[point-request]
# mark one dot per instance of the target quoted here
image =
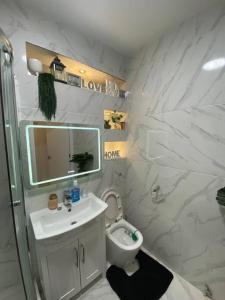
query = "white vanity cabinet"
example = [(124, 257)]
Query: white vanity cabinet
[(90, 249), (63, 271), (69, 262)]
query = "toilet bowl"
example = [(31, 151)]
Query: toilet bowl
[(121, 247)]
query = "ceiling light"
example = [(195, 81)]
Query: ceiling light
[(214, 64), (82, 71)]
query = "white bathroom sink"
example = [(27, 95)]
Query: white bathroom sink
[(48, 223)]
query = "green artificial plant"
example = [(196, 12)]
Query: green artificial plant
[(47, 95), (81, 160)]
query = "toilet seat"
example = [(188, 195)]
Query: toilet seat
[(114, 211), (121, 248), (126, 226)]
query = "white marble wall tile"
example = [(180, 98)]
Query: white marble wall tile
[(10, 276), (191, 139), (207, 138), (176, 140), (171, 77), (21, 24), (182, 228), (74, 105), (13, 292)]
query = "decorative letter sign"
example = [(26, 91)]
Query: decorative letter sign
[(114, 150), (112, 154)]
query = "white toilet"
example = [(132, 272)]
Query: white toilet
[(121, 247)]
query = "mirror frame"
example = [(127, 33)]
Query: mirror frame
[(26, 150)]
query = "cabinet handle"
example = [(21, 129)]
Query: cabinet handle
[(83, 253), (77, 258)]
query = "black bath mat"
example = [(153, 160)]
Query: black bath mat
[(150, 282)]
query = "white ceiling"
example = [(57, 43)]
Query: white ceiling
[(125, 25)]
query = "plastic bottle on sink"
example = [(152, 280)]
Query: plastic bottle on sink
[(75, 192)]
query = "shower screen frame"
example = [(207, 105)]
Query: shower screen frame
[(9, 113)]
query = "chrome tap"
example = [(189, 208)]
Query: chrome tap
[(67, 202)]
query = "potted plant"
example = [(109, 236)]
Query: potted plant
[(82, 160)]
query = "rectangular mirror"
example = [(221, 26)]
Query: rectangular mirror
[(56, 151)]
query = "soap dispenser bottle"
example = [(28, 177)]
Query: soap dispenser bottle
[(75, 192)]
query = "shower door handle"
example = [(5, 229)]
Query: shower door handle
[(16, 203)]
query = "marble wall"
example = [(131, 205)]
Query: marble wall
[(177, 140), (176, 137), (11, 285), (74, 105)]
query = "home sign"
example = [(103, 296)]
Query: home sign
[(112, 154)]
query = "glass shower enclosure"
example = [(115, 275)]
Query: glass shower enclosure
[(16, 281)]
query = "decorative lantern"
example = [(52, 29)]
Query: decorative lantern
[(57, 70)]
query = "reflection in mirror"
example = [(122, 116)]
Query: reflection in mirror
[(57, 151)]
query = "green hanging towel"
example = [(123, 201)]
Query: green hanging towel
[(47, 96)]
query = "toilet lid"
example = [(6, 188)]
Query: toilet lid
[(114, 210)]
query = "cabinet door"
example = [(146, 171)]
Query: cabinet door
[(63, 272), (92, 254)]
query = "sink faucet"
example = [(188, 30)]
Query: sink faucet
[(67, 202)]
